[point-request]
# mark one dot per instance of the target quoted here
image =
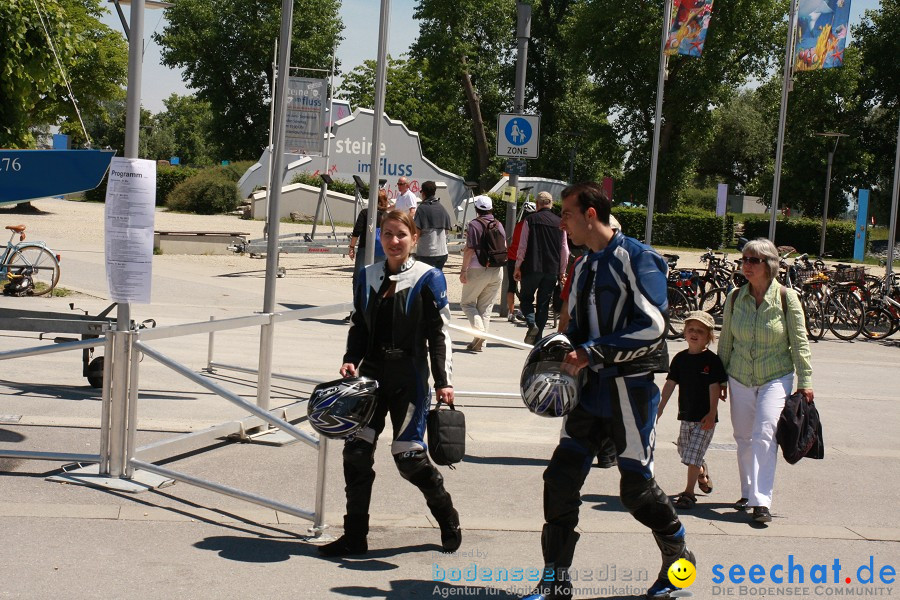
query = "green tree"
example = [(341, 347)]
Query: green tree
[(575, 133), (620, 43), (33, 93), (879, 44), (409, 97), (827, 100), (185, 130), (742, 144), (465, 50), (225, 49)]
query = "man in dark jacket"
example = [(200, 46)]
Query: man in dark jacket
[(433, 223), (542, 259)]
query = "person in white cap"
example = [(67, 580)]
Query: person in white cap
[(482, 273)]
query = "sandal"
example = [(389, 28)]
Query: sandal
[(686, 501), (705, 484)]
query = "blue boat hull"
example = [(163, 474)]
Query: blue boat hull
[(29, 174)]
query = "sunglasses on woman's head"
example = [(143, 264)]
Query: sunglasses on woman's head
[(754, 260)]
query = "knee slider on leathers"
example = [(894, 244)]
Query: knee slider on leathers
[(416, 469), (648, 503)]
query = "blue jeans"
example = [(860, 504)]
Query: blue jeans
[(543, 285)]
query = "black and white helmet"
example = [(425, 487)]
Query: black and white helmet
[(549, 388), (338, 409)]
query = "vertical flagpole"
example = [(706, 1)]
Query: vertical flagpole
[(785, 89), (330, 111), (894, 198), (375, 155), (660, 86)]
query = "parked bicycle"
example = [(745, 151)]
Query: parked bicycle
[(685, 295), (33, 259), (882, 317)]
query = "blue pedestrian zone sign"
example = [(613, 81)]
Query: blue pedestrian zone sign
[(518, 135), (518, 132)]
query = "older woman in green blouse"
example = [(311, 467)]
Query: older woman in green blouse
[(762, 345)]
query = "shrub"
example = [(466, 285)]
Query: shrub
[(207, 193), (233, 171), (693, 229), (805, 234), (169, 177), (703, 199), (338, 185)]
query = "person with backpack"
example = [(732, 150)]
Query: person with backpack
[(482, 268)]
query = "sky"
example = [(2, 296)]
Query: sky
[(360, 41)]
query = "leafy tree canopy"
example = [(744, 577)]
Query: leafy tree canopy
[(225, 49), (33, 93)]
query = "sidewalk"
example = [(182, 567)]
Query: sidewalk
[(65, 541)]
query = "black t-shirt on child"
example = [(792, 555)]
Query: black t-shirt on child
[(694, 373)]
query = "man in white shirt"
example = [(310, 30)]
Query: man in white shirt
[(406, 200)]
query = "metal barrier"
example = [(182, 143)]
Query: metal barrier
[(211, 365), (103, 457), (120, 460)]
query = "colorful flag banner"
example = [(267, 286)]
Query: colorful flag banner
[(687, 31), (822, 34)]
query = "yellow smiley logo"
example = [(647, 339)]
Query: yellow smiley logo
[(682, 573)]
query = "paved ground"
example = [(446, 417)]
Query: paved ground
[(186, 542)]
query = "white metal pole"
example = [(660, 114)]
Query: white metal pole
[(375, 154), (785, 90), (825, 209), (269, 148), (266, 334), (330, 112), (657, 124), (132, 114), (892, 239)]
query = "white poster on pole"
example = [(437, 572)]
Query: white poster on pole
[(722, 200), (130, 204), (305, 119)]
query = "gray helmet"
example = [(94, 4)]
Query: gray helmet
[(549, 388), (338, 409)]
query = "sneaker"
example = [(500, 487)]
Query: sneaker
[(519, 315), (761, 514), (672, 547), (531, 336), (511, 318)]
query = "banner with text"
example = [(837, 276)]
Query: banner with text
[(304, 126)]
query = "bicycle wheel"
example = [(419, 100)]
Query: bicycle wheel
[(878, 322), (845, 314), (45, 267), (816, 323), (713, 302), (679, 307)]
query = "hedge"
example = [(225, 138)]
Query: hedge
[(337, 185), (207, 193), (691, 229), (805, 234)]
